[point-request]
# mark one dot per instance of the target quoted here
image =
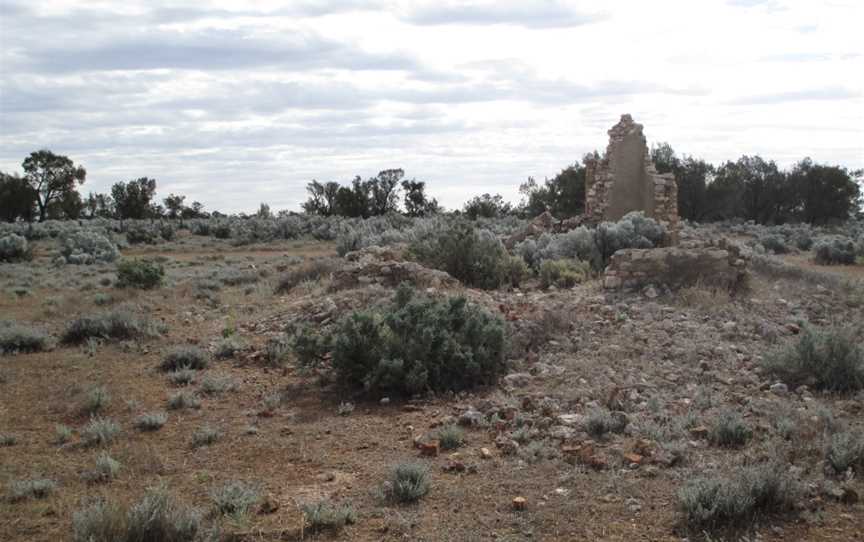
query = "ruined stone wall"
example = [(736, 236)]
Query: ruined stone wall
[(715, 266), (626, 180)]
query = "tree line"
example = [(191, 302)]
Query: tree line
[(750, 188), (49, 190)]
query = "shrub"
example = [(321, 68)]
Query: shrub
[(87, 247), (152, 421), (62, 434), (450, 437), (600, 422), (409, 482), (17, 338), (419, 343), (803, 241), (179, 401), (185, 357), (14, 248), (834, 251), (105, 470), (729, 430), (137, 234), (845, 451), (167, 231), (323, 515), (831, 360), (117, 324), (475, 257), (276, 351), (204, 436), (96, 400), (214, 385), (37, 488), (157, 516), (774, 243), (563, 273), (141, 274), (182, 377), (228, 347), (234, 498), (7, 440), (309, 271), (99, 432), (733, 501)]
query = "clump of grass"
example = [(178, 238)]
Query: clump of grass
[(450, 437), (102, 299), (228, 347), (158, 516), (326, 516), (729, 430), (62, 434), (409, 482), (831, 359), (183, 400), (99, 432), (182, 377), (18, 338), (205, 436), (185, 357), (214, 385), (7, 440), (737, 500), (845, 451), (105, 470), (235, 498), (345, 408), (119, 324), (96, 400), (36, 488), (599, 422), (152, 421)]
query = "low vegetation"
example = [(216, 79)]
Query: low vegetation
[(738, 499), (235, 498), (141, 274), (118, 324), (36, 488), (409, 482), (419, 343), (829, 359), (185, 357), (18, 339), (326, 516)]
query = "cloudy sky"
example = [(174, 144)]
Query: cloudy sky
[(235, 103)]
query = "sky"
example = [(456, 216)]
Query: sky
[(237, 103)]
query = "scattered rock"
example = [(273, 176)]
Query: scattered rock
[(485, 453), (517, 380), (519, 503)]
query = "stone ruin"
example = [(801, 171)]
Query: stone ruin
[(626, 180)]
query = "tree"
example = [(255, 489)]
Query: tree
[(383, 195), (68, 207), (17, 198), (175, 205), (264, 211), (823, 193), (99, 205), (52, 176), (487, 206), (316, 204), (132, 199), (562, 195), (416, 202), (196, 210)]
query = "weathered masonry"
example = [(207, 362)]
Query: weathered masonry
[(625, 180)]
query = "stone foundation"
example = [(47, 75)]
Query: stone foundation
[(626, 180), (718, 266)]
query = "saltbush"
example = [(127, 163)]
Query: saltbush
[(419, 343), (38, 488), (475, 257), (142, 234), (563, 273), (235, 498), (87, 247), (14, 248), (834, 251), (17, 338), (734, 501), (185, 357), (139, 274), (409, 482), (117, 324), (774, 243), (830, 359), (158, 516), (312, 270), (845, 451)]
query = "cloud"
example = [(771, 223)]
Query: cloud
[(548, 14), (819, 94)]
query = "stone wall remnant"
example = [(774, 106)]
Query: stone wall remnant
[(718, 266), (625, 179)]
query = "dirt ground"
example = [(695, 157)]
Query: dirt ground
[(658, 354)]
